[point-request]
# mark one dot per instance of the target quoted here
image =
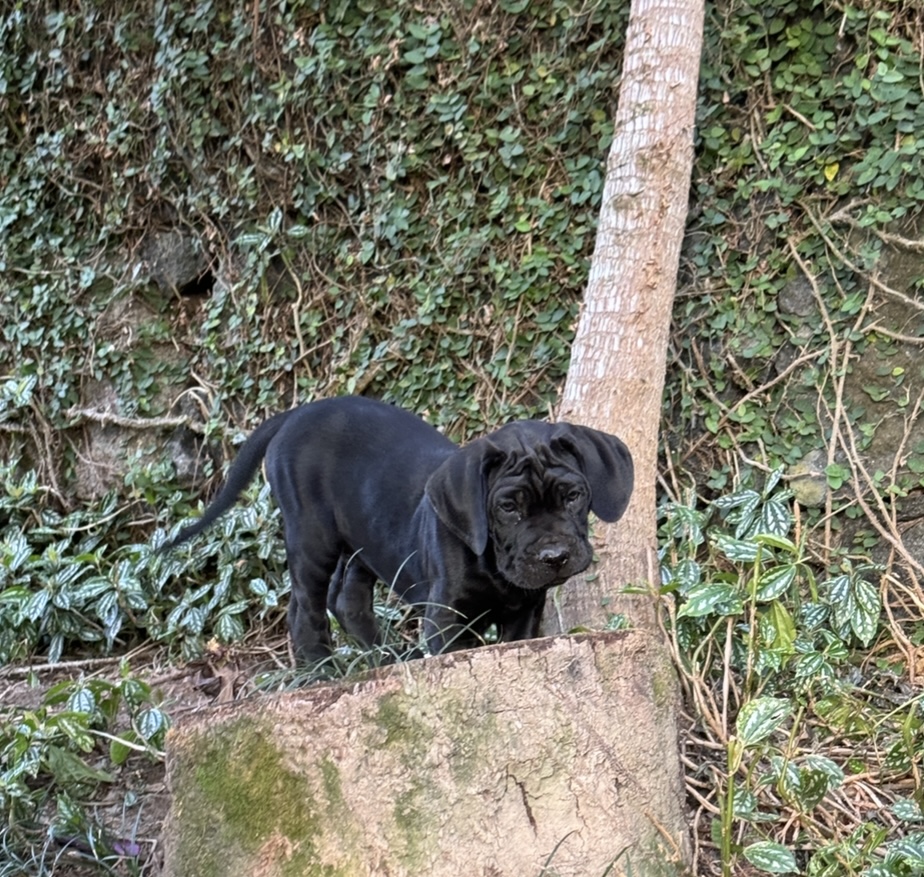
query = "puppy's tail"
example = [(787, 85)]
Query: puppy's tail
[(242, 470)]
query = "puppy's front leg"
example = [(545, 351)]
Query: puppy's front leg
[(525, 623), (447, 629)]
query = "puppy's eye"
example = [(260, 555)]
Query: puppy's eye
[(574, 496), (507, 505)]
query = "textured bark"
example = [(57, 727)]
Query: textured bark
[(543, 757), (616, 377)]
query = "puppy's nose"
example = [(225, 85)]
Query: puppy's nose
[(555, 556)]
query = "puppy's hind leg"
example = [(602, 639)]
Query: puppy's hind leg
[(350, 599), (313, 550), (310, 570)]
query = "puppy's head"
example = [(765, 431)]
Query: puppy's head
[(527, 490)]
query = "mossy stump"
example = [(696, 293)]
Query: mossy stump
[(554, 756)]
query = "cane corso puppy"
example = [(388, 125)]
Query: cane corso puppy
[(475, 535)]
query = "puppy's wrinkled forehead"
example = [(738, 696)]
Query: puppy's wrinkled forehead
[(530, 462), (535, 458)]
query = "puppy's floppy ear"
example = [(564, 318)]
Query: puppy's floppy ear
[(606, 463), (458, 491)]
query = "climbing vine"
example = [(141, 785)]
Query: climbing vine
[(401, 201)]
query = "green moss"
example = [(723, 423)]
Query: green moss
[(400, 729), (470, 735), (333, 788), (413, 808), (235, 796), (240, 780), (663, 682), (338, 810), (413, 818)]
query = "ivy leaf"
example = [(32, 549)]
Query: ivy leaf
[(775, 517), (194, 619), (746, 515), (688, 574), (781, 623), (55, 648), (252, 240), (771, 857), (774, 582), (811, 615), (760, 717), (837, 475), (909, 851), (830, 768), (712, 599), (737, 550), (855, 604), (865, 618), (775, 540), (119, 750), (414, 56), (150, 722), (229, 628), (803, 787), (908, 810), (811, 666), (89, 589), (82, 701), (112, 627), (16, 550), (745, 804), (746, 498), (70, 768), (74, 725), (772, 480), (35, 607)]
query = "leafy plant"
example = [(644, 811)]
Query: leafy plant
[(766, 653), (60, 756), (403, 202), (59, 586)]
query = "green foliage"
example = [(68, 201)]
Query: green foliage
[(61, 589), (796, 630), (398, 199), (767, 651), (806, 161), (61, 756)]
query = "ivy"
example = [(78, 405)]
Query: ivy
[(415, 174), (402, 201)]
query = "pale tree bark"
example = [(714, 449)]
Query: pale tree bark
[(525, 759), (616, 376)]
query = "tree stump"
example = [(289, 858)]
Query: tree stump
[(546, 757)]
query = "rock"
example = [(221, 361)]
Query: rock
[(808, 481), (797, 298), (176, 262), (107, 448)]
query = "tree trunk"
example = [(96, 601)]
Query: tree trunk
[(618, 359), (536, 758)]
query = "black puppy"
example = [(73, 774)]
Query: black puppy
[(475, 535)]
